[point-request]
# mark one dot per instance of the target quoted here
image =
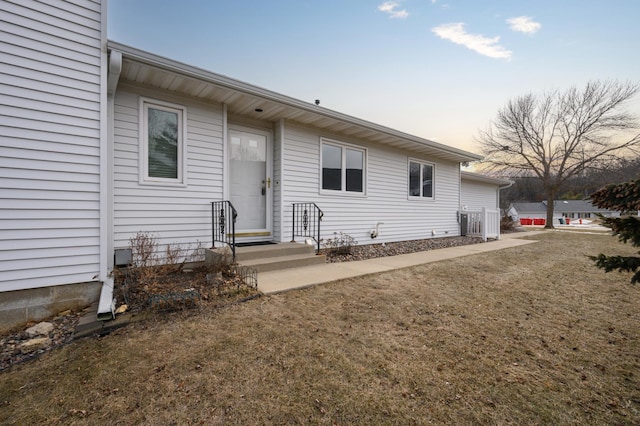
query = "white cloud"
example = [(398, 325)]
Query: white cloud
[(391, 7), (524, 24), (485, 46)]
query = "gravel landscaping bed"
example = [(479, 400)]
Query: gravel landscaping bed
[(372, 251), (18, 346)]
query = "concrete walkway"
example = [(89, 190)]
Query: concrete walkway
[(296, 278)]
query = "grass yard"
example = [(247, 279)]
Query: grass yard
[(529, 335)]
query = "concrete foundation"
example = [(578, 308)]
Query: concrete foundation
[(21, 306)]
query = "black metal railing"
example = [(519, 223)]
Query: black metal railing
[(223, 224), (306, 222)]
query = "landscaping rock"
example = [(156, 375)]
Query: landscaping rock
[(40, 329), (34, 344), (20, 346)]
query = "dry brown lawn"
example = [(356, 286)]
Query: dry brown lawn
[(529, 335)]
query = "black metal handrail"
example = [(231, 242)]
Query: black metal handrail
[(223, 230), (306, 222)]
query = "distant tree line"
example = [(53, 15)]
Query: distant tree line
[(579, 187)]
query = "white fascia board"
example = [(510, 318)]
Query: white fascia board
[(476, 177)]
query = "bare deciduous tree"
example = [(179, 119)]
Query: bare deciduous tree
[(557, 135)]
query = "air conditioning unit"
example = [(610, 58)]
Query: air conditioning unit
[(464, 224)]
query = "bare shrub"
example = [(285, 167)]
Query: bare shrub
[(507, 224), (173, 276), (340, 244), (144, 248)]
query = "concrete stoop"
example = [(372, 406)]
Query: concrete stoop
[(274, 257), (270, 257)]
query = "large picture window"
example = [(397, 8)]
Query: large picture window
[(162, 143), (343, 168), (421, 175)]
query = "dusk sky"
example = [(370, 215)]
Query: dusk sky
[(438, 69)]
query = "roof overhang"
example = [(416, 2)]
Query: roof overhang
[(476, 177), (243, 99)]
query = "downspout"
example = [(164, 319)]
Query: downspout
[(106, 304), (225, 153), (500, 188), (459, 211)]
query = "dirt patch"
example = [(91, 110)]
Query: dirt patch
[(529, 335)]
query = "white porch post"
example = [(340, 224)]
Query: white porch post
[(484, 223)]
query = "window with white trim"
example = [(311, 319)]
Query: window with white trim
[(421, 176), (343, 167), (162, 142)]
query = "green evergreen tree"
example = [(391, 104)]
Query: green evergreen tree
[(625, 198)]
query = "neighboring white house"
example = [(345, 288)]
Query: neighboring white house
[(100, 141), (572, 209)]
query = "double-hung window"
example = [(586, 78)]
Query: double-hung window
[(343, 168), (162, 143), (421, 176)]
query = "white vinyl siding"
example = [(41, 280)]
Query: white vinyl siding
[(50, 76), (174, 215), (386, 199), (476, 195)]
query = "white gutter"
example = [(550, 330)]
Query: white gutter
[(107, 304), (477, 177)]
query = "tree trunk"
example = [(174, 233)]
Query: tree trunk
[(550, 199)]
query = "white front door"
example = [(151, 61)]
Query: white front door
[(250, 182)]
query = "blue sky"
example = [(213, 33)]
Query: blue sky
[(439, 69)]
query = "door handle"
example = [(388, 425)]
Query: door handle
[(264, 189), (268, 182)]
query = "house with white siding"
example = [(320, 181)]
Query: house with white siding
[(564, 211), (480, 191), (100, 141), (53, 178), (480, 204)]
